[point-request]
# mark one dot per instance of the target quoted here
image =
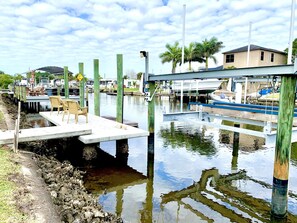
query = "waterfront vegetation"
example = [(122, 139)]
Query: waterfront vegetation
[(8, 189), (195, 52), (5, 80)]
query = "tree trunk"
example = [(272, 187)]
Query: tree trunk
[(206, 63)]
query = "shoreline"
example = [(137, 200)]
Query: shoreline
[(52, 199)]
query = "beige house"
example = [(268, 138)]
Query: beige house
[(259, 56)]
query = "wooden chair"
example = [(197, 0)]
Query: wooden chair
[(75, 109), (56, 102)]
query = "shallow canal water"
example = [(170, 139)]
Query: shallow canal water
[(192, 176)]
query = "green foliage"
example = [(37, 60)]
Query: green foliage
[(139, 76), (1, 72), (199, 52), (51, 77), (208, 48), (173, 54), (176, 137), (40, 75), (191, 54), (18, 77), (294, 50), (5, 80)]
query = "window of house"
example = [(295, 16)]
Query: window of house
[(272, 57), (229, 58), (262, 55)]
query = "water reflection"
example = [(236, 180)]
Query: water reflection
[(190, 175), (192, 139)]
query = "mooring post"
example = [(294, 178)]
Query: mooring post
[(151, 118), (96, 88), (120, 91), (279, 201), (147, 213), (81, 85), (66, 82), (122, 149), (151, 108)]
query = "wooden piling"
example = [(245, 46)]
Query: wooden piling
[(150, 155), (66, 82), (81, 85), (120, 90), (283, 147), (151, 108), (122, 152), (122, 149), (96, 88)]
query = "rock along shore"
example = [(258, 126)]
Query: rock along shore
[(64, 182)]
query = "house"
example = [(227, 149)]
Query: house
[(259, 56)]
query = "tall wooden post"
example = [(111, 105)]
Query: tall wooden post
[(147, 214), (122, 149), (151, 108), (283, 147), (96, 88), (81, 85), (66, 82), (120, 90)]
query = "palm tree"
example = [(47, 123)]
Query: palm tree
[(173, 54), (192, 55), (208, 48)]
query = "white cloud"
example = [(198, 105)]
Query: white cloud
[(66, 32)]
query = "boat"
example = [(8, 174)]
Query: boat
[(221, 98), (193, 86)]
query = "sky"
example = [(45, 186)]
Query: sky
[(38, 33)]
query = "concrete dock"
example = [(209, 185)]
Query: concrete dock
[(96, 130), (35, 134), (102, 128)]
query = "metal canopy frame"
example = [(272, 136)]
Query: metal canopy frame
[(251, 72)]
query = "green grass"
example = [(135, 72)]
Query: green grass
[(131, 89), (8, 211)]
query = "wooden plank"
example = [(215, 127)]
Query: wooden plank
[(35, 134)]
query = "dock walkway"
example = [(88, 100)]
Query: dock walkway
[(54, 132), (102, 128), (97, 130)]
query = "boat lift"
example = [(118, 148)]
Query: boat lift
[(205, 117), (212, 115), (284, 134)]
